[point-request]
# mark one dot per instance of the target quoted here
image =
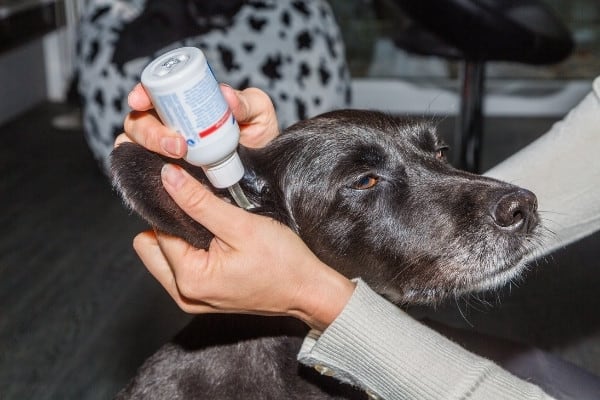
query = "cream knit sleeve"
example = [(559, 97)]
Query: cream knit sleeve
[(376, 346)]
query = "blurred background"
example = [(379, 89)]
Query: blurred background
[(79, 312)]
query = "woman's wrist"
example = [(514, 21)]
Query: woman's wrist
[(322, 298)]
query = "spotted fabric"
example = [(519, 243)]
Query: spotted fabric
[(291, 49)]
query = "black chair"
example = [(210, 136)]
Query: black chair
[(477, 31)]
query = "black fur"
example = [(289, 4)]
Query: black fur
[(372, 196)]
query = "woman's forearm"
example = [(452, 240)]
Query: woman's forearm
[(378, 347)]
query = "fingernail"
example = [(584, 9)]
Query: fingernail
[(132, 98), (171, 145), (173, 175)]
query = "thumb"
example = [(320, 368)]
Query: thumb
[(138, 99), (226, 221), (255, 113)]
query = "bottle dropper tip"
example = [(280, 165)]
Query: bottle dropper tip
[(239, 196)]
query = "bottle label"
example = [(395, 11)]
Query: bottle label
[(197, 111)]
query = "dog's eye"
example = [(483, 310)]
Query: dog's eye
[(366, 182), (441, 153)]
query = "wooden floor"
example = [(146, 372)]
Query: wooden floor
[(78, 311)]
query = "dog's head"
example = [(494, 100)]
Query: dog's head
[(374, 197)]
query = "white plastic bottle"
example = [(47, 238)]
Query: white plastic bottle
[(188, 100)]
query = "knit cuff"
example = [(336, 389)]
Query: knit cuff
[(376, 346)]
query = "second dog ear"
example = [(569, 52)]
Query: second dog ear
[(263, 183)]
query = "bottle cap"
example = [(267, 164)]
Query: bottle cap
[(226, 173), (173, 68)]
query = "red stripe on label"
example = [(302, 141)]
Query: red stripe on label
[(216, 126)]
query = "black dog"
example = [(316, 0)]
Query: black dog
[(374, 197)]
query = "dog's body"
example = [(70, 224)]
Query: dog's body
[(373, 197)]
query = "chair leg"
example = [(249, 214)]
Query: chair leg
[(469, 129)]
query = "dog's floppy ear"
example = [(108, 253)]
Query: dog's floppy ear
[(135, 174)]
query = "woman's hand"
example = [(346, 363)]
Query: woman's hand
[(251, 107), (253, 265)]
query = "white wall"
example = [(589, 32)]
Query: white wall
[(58, 63), (59, 52), (22, 79), (524, 98), (40, 69)]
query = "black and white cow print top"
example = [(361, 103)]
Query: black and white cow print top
[(292, 49)]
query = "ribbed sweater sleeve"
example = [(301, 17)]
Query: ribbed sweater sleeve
[(376, 346)]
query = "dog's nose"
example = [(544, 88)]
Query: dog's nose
[(516, 211)]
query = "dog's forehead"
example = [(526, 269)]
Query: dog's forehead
[(351, 142), (360, 130)]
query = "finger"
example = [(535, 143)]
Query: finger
[(189, 267), (146, 129), (248, 104), (233, 101), (147, 248), (203, 206), (122, 138), (255, 113), (138, 99)]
